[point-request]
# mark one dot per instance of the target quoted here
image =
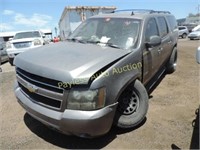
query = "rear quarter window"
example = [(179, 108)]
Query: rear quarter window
[(172, 22), (163, 26)]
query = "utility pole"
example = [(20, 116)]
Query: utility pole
[(56, 31), (198, 13)]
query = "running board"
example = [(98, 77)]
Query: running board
[(155, 81)]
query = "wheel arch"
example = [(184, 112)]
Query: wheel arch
[(126, 85), (138, 112)]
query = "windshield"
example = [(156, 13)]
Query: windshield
[(116, 32), (27, 35)]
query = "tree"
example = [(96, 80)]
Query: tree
[(191, 15)]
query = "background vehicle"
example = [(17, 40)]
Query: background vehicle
[(196, 28), (198, 55), (183, 31), (23, 41), (194, 35), (72, 17), (101, 75), (3, 53)]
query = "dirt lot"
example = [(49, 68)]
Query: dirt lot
[(170, 122)]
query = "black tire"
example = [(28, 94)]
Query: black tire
[(133, 106), (184, 35), (172, 63), (11, 61)]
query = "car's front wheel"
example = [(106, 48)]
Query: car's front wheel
[(133, 106)]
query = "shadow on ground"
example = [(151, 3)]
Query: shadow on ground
[(72, 142), (195, 135), (194, 144)]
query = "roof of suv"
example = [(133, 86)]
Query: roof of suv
[(132, 14)]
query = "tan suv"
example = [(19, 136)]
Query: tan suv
[(102, 75)]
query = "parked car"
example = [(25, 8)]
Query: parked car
[(3, 53), (183, 31), (23, 41), (198, 55), (196, 28), (102, 75), (194, 35)]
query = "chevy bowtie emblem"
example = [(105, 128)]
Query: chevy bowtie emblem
[(32, 88)]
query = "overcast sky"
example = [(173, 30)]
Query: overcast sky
[(18, 15)]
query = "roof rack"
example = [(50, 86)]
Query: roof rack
[(164, 12), (136, 11)]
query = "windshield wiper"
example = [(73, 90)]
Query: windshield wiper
[(93, 42), (107, 44), (113, 45), (76, 40)]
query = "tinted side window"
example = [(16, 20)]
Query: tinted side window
[(152, 29), (172, 22), (181, 28), (163, 26)]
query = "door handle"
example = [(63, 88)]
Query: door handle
[(169, 42), (160, 50)]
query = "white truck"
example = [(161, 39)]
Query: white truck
[(23, 41), (72, 17)]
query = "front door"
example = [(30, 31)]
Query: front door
[(151, 56)]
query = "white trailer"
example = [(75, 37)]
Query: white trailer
[(72, 16)]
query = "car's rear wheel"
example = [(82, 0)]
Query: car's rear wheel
[(184, 35), (133, 106)]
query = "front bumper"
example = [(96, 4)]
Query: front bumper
[(14, 52), (194, 36), (71, 122)]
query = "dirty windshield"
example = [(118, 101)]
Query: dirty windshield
[(115, 32), (26, 35)]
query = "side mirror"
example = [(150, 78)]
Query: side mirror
[(198, 55), (43, 36), (10, 39), (153, 41)]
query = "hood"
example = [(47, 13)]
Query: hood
[(195, 33), (66, 61), (24, 40)]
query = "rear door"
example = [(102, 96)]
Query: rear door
[(166, 46)]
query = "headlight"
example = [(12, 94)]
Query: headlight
[(37, 42), (8, 45), (86, 99)]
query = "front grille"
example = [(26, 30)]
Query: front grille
[(39, 81), (22, 44), (42, 91), (45, 101)]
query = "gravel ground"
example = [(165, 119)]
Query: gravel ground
[(171, 122)]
